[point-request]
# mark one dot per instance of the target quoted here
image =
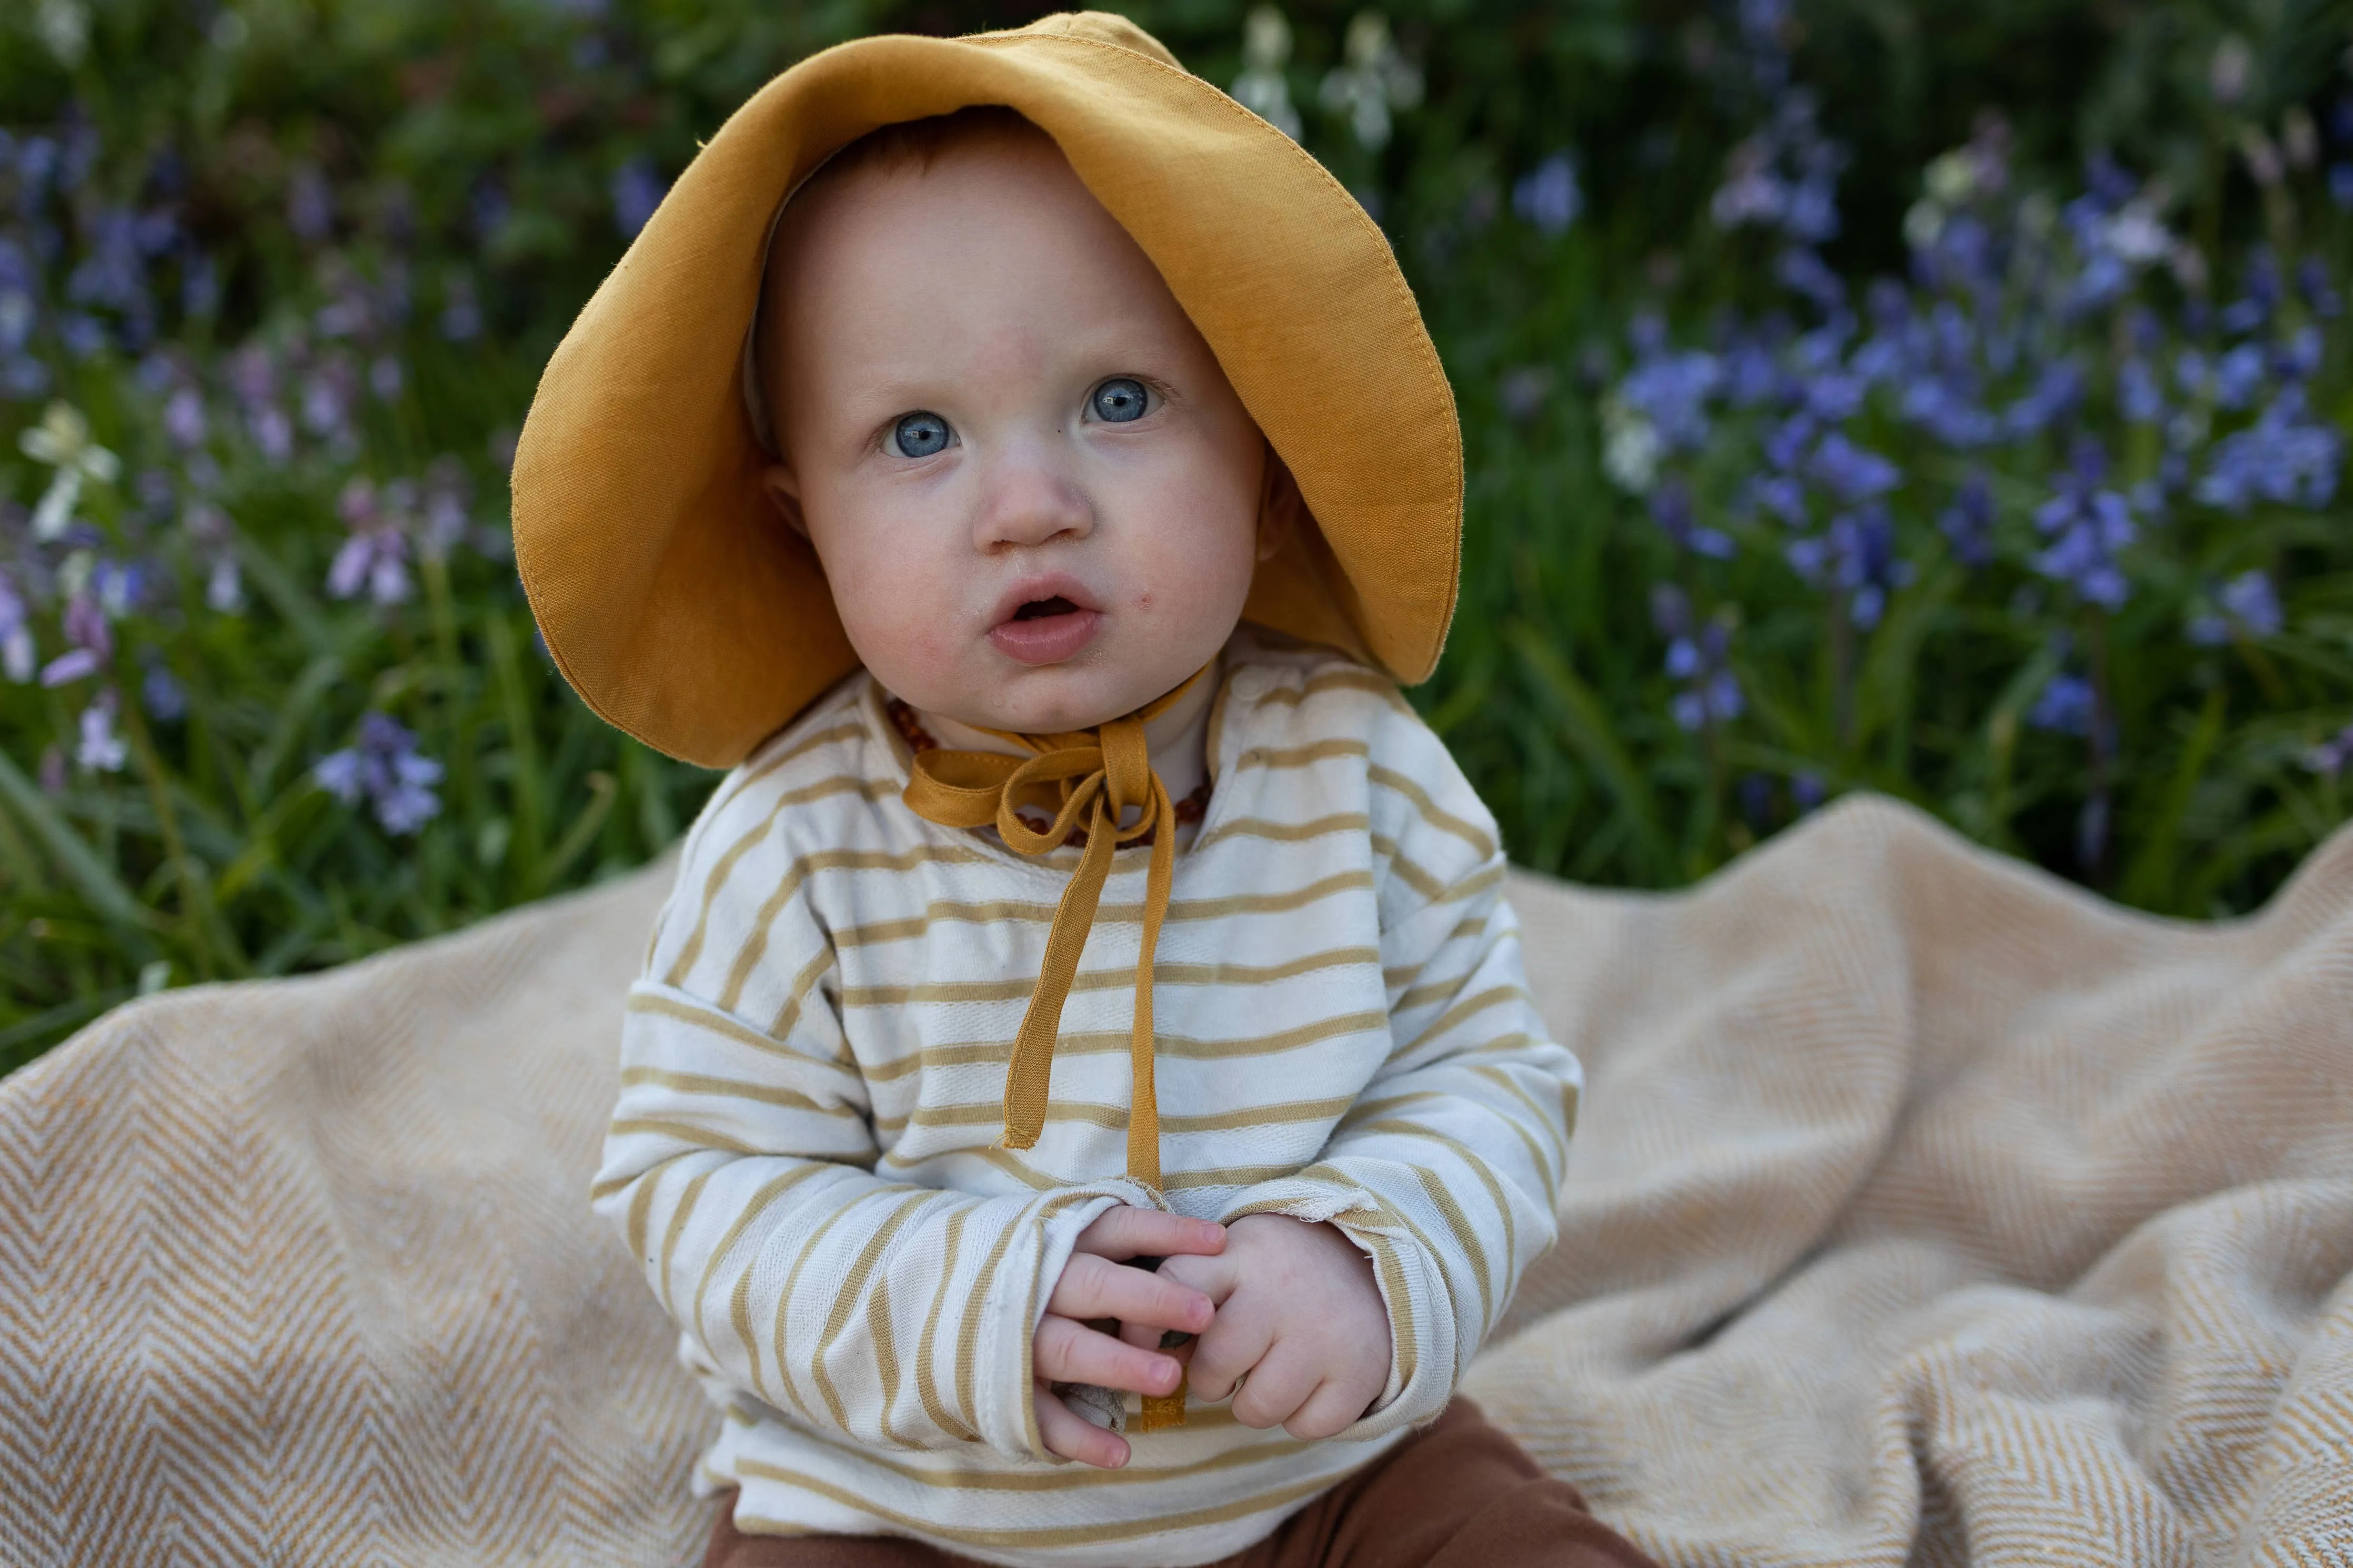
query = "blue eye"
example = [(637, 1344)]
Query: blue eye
[(919, 434), (1120, 399)]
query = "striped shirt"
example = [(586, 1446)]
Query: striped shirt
[(805, 1160)]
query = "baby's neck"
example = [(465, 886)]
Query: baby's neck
[(1177, 740)]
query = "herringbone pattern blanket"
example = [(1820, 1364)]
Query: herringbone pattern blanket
[(1923, 1212)]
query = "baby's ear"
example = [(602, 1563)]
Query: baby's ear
[(784, 491), (1280, 506)]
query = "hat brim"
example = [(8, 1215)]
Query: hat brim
[(669, 590)]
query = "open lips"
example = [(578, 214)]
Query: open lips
[(1045, 623)]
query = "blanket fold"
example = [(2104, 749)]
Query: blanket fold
[(1924, 1211)]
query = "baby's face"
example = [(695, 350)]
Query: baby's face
[(1036, 497)]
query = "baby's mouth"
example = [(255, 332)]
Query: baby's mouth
[(1046, 631)]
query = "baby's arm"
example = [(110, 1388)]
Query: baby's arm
[(739, 1165), (1446, 1171)]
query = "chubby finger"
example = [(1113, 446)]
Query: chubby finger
[(1066, 1432), (1214, 1278), (1067, 1351), (1278, 1385), (1094, 1286), (1127, 1231), (1337, 1404), (1226, 1352)]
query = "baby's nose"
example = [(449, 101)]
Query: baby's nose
[(1024, 502)]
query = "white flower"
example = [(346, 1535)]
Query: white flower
[(1261, 88), (2137, 237), (1631, 447), (62, 441), (101, 749), (1375, 79)]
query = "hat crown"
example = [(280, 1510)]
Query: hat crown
[(669, 590)]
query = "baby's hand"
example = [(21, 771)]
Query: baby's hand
[(1097, 1283), (1300, 1325)]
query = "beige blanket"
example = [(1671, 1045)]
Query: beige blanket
[(1924, 1212)]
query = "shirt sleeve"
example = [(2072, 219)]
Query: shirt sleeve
[(1448, 1169), (739, 1166)]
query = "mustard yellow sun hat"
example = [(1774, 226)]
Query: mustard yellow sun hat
[(673, 597)]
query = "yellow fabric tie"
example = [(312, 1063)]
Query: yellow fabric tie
[(1102, 773)]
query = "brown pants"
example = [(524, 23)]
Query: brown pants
[(1459, 1495)]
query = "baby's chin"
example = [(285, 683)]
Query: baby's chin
[(1048, 699)]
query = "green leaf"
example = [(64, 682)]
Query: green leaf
[(80, 863)]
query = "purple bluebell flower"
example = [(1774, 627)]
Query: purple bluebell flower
[(1950, 410), (2191, 372), (119, 587), (1522, 391), (447, 506), (2087, 525), (2252, 310), (18, 653), (1751, 374), (208, 528), (166, 701), (385, 770), (100, 749), (184, 417), (1783, 495), (112, 274), (1710, 693), (1784, 443), (1672, 391), (2312, 281), (1807, 791), (2286, 456), (490, 207), (1833, 396), (2329, 757), (1547, 197), (2063, 706), (253, 376), (638, 189), (2249, 605), (1851, 473), (1699, 656), (1855, 557), (92, 641), (1967, 523), (2237, 375), (200, 285), (461, 313), (2299, 359), (375, 555), (1757, 800), (2139, 396), (329, 394), (1671, 509), (1806, 274), (2054, 394)]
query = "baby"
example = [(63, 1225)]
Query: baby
[(1087, 1025)]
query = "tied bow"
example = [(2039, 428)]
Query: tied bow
[(1100, 774)]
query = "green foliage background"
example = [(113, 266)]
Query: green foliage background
[(213, 854)]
